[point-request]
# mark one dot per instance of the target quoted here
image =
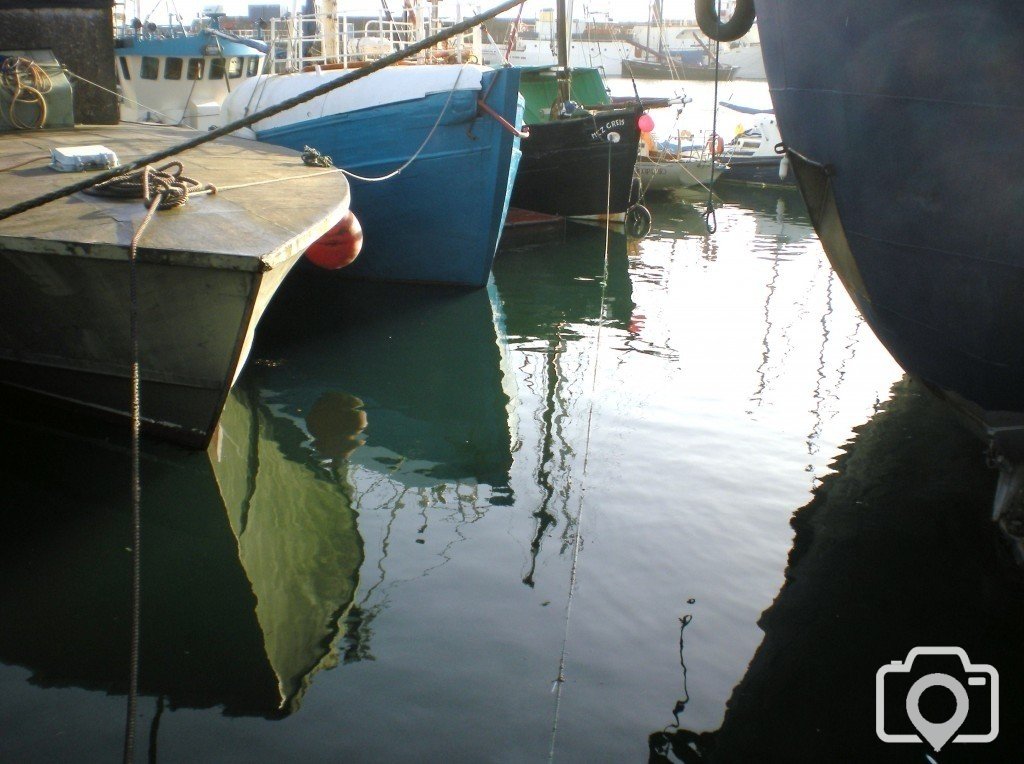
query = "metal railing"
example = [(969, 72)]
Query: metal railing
[(306, 41)]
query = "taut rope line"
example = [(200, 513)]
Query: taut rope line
[(327, 87), (123, 97), (578, 538), (710, 220)]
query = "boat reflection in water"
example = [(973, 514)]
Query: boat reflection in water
[(250, 562), (807, 346), (894, 551), (330, 349), (251, 552), (296, 531), (778, 212)]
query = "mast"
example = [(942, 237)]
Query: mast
[(327, 20), (561, 31), (661, 29), (650, 19)]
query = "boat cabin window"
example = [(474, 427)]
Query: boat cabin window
[(253, 66), (125, 74), (217, 69), (195, 68), (150, 68), (234, 67), (172, 69)]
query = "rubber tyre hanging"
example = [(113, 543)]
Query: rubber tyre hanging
[(638, 221), (739, 23)]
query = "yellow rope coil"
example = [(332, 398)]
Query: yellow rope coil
[(25, 82)]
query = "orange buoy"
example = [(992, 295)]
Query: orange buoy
[(716, 145), (339, 246)]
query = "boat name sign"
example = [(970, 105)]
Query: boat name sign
[(605, 131)]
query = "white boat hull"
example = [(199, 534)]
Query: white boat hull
[(672, 174)]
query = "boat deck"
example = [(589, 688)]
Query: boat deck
[(243, 226)]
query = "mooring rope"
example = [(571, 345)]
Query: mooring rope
[(165, 186), (415, 156), (200, 139), (27, 83), (327, 158), (154, 204)]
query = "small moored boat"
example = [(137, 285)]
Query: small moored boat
[(756, 157)]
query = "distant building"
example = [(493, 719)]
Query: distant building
[(265, 12)]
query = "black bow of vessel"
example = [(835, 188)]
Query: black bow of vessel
[(578, 162)]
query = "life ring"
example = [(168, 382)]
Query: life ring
[(739, 23), (716, 145)]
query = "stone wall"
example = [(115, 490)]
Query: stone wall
[(80, 34)]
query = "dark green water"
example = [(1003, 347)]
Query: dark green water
[(373, 562)]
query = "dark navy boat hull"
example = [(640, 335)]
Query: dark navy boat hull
[(910, 162), (579, 166)]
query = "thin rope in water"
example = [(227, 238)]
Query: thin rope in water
[(159, 189), (136, 485), (578, 538)]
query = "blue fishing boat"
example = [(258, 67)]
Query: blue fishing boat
[(431, 154), (898, 122), (431, 150)]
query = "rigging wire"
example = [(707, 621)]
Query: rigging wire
[(129, 100), (578, 537), (710, 221)]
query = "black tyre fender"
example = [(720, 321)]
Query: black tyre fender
[(733, 29), (638, 221)]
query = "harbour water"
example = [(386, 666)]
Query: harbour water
[(665, 499)]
